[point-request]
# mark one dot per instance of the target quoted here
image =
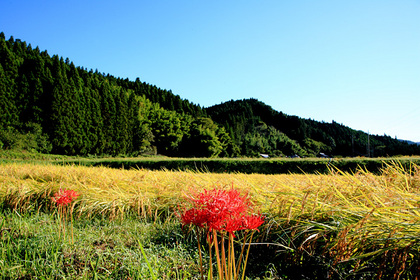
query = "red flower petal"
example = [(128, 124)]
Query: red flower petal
[(64, 196), (253, 221)]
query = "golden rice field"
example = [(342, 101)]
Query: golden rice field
[(355, 218)]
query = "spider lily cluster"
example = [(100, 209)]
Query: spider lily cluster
[(62, 198), (221, 213)]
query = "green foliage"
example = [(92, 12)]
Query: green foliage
[(203, 139), (314, 148), (268, 140), (29, 138), (166, 128)]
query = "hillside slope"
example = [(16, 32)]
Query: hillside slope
[(257, 128), (47, 104)]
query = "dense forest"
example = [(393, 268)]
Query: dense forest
[(257, 128), (49, 105)]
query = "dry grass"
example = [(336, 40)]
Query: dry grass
[(353, 216)]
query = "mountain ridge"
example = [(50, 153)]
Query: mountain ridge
[(312, 136)]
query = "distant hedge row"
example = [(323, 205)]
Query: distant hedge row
[(248, 166)]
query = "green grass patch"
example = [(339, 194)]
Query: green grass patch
[(32, 248), (216, 165), (102, 249), (249, 165)]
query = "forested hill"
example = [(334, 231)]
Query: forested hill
[(49, 105), (257, 128)]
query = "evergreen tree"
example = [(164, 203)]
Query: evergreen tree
[(8, 110), (122, 126), (108, 109)]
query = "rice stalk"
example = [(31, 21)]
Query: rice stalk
[(344, 216)]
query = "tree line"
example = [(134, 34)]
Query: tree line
[(49, 105)]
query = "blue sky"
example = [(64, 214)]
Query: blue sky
[(355, 62)]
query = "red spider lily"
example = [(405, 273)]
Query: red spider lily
[(64, 196), (253, 222), (221, 202), (232, 224), (198, 217), (225, 211), (221, 210)]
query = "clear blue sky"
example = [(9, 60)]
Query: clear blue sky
[(355, 62)]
